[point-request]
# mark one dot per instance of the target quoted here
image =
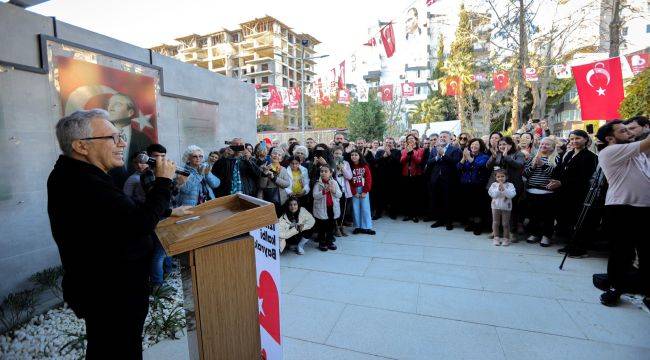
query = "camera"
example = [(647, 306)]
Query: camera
[(319, 153)]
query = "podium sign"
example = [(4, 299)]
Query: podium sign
[(267, 263)]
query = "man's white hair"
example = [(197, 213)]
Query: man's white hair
[(76, 126)]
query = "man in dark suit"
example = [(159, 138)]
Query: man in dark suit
[(387, 180), (103, 236), (444, 179)]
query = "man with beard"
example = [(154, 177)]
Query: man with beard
[(387, 180), (238, 173), (639, 127), (626, 166)]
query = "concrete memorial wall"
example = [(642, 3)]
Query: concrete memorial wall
[(185, 105)]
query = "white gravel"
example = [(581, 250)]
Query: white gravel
[(44, 336)]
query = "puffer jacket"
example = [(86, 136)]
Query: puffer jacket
[(320, 200)]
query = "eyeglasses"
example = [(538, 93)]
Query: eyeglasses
[(462, 138), (116, 137), (197, 156)]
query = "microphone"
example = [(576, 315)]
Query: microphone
[(145, 159)]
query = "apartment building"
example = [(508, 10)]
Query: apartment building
[(261, 52)]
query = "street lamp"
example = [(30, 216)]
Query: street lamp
[(303, 43)]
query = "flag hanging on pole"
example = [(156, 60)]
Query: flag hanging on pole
[(388, 39), (342, 75), (371, 42), (275, 99), (430, 2), (284, 94), (408, 89), (452, 87), (344, 96), (501, 80), (562, 71), (638, 62), (600, 89), (294, 97), (530, 74), (386, 92)]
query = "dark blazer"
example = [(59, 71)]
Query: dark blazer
[(103, 236), (444, 170), (575, 172), (249, 172), (388, 168)]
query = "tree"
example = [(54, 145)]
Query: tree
[(367, 119), (461, 63), (332, 116), (637, 99)]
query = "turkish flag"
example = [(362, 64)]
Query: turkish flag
[(452, 86), (638, 62), (269, 298), (430, 2), (275, 99), (386, 92), (600, 89), (388, 38), (371, 42), (294, 97), (342, 75), (408, 89), (501, 80)]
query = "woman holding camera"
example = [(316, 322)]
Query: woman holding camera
[(197, 188), (275, 181)]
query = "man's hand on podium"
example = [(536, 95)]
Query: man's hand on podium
[(182, 211)]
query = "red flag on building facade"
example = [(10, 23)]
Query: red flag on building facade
[(600, 89), (501, 80), (342, 75), (388, 38), (638, 62), (294, 97), (408, 89), (386, 92), (344, 96), (275, 99), (371, 42), (430, 2), (452, 87)]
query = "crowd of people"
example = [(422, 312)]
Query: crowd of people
[(530, 186)]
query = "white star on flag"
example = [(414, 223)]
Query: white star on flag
[(601, 91), (260, 303), (143, 122)]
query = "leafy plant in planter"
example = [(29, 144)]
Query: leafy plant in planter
[(160, 295), (17, 308), (78, 342), (49, 279), (166, 325)]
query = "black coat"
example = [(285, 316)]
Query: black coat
[(103, 236), (444, 170), (388, 169), (249, 173), (575, 172)]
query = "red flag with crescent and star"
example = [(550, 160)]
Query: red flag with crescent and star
[(452, 87), (342, 75), (501, 80), (408, 89), (600, 89), (388, 39), (386, 92)]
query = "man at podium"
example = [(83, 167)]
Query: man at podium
[(103, 236)]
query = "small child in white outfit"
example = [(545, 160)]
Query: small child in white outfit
[(501, 193)]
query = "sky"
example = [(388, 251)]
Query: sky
[(341, 25)]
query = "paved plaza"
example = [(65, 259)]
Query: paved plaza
[(411, 292)]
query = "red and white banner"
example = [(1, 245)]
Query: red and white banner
[(530, 74), (430, 2), (267, 264), (388, 39), (275, 99), (344, 96), (386, 92), (342, 75), (638, 62), (600, 89), (408, 89), (294, 97), (452, 87), (501, 80), (562, 71), (284, 94)]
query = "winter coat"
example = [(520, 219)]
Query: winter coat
[(502, 200), (249, 173), (514, 166), (284, 224), (343, 177), (188, 194), (320, 200), (361, 176), (474, 172), (304, 176), (281, 181), (411, 162)]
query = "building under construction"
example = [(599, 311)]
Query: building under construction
[(261, 52)]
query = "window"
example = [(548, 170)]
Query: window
[(265, 67), (252, 80), (265, 79), (624, 31), (647, 28)]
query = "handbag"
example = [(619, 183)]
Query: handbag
[(272, 195)]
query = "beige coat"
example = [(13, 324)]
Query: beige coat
[(282, 181), (286, 230)]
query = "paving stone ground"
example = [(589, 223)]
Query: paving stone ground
[(412, 292)]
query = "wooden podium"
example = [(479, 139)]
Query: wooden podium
[(219, 277)]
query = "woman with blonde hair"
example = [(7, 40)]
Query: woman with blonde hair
[(540, 192)]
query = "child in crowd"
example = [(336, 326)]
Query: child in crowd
[(299, 181), (501, 193), (327, 194), (361, 183), (294, 226), (342, 174)]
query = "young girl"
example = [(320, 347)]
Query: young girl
[(327, 194), (361, 183), (502, 193), (342, 174), (294, 225)]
